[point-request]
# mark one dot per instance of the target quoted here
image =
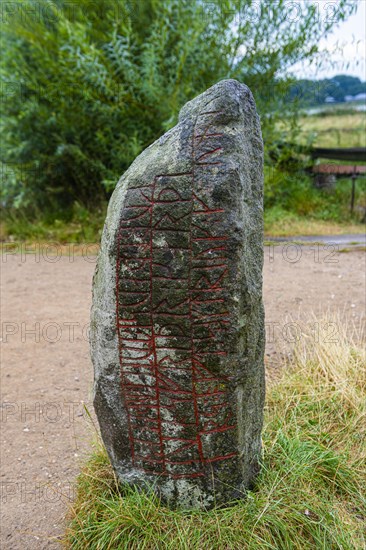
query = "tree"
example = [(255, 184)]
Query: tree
[(315, 92), (88, 85)]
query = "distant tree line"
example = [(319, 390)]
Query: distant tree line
[(317, 92)]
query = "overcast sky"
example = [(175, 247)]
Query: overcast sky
[(347, 47)]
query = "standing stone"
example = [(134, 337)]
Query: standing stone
[(177, 320)]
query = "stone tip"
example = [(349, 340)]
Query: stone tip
[(227, 88)]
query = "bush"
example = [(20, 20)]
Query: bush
[(88, 85), (293, 191)]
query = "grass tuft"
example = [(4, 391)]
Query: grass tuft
[(310, 493)]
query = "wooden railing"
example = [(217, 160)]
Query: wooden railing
[(327, 172), (356, 154)]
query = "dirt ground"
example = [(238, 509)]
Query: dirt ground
[(47, 374)]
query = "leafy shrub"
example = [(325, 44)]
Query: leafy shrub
[(88, 85)]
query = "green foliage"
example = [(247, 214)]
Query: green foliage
[(293, 190), (88, 85), (309, 495), (73, 225)]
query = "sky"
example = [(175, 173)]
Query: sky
[(347, 47)]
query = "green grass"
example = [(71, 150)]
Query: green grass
[(293, 206), (310, 493), (80, 225), (283, 223)]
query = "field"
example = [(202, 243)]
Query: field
[(335, 129)]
